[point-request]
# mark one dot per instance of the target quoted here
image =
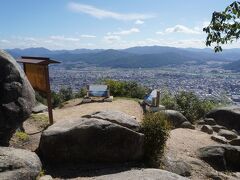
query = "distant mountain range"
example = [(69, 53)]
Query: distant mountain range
[(135, 57)]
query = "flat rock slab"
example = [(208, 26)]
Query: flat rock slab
[(221, 157), (209, 121), (18, 164), (90, 140), (39, 108), (142, 174), (227, 134), (116, 117), (217, 128)]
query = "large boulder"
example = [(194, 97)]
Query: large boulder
[(17, 97), (116, 117), (175, 118), (18, 164), (221, 157), (136, 174), (227, 116), (90, 140)]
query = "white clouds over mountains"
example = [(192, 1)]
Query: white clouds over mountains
[(101, 13)]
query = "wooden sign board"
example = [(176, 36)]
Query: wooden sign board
[(37, 74)]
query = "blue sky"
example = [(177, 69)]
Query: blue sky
[(72, 24)]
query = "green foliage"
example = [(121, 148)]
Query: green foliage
[(66, 93), (192, 107), (81, 93), (224, 26), (155, 127), (126, 89), (22, 136)]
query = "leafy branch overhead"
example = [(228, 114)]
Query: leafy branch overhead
[(224, 27)]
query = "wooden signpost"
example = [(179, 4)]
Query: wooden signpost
[(36, 70)]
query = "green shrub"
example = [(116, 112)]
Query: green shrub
[(155, 127), (81, 93), (66, 94), (191, 106), (22, 136), (126, 89)]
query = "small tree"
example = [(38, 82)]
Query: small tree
[(224, 26)]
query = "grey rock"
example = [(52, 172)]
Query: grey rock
[(142, 174), (187, 125), (221, 157), (200, 122), (207, 129), (176, 166), (116, 117), (217, 128), (176, 118), (235, 142), (46, 177), (90, 140), (219, 139), (17, 97), (228, 117), (39, 108), (209, 121), (18, 164), (227, 134)]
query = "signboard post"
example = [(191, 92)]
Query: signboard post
[(36, 70)]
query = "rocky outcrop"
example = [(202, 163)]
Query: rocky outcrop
[(90, 140), (136, 174), (228, 117), (207, 129), (175, 118), (209, 121), (17, 97), (187, 125), (227, 134), (18, 164), (235, 142), (219, 139), (222, 157), (116, 117), (176, 166)]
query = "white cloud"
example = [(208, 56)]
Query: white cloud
[(4, 41), (101, 13), (112, 39), (125, 32), (87, 36), (139, 22), (160, 33), (181, 29), (63, 38)]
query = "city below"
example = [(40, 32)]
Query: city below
[(206, 81)]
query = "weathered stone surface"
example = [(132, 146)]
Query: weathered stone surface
[(222, 157), (209, 121), (39, 108), (217, 128), (176, 166), (18, 164), (235, 142), (187, 125), (46, 177), (200, 122), (227, 134), (116, 117), (90, 140), (207, 129), (219, 139), (176, 118), (17, 97), (142, 174), (227, 116)]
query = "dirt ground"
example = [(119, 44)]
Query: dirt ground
[(71, 110)]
